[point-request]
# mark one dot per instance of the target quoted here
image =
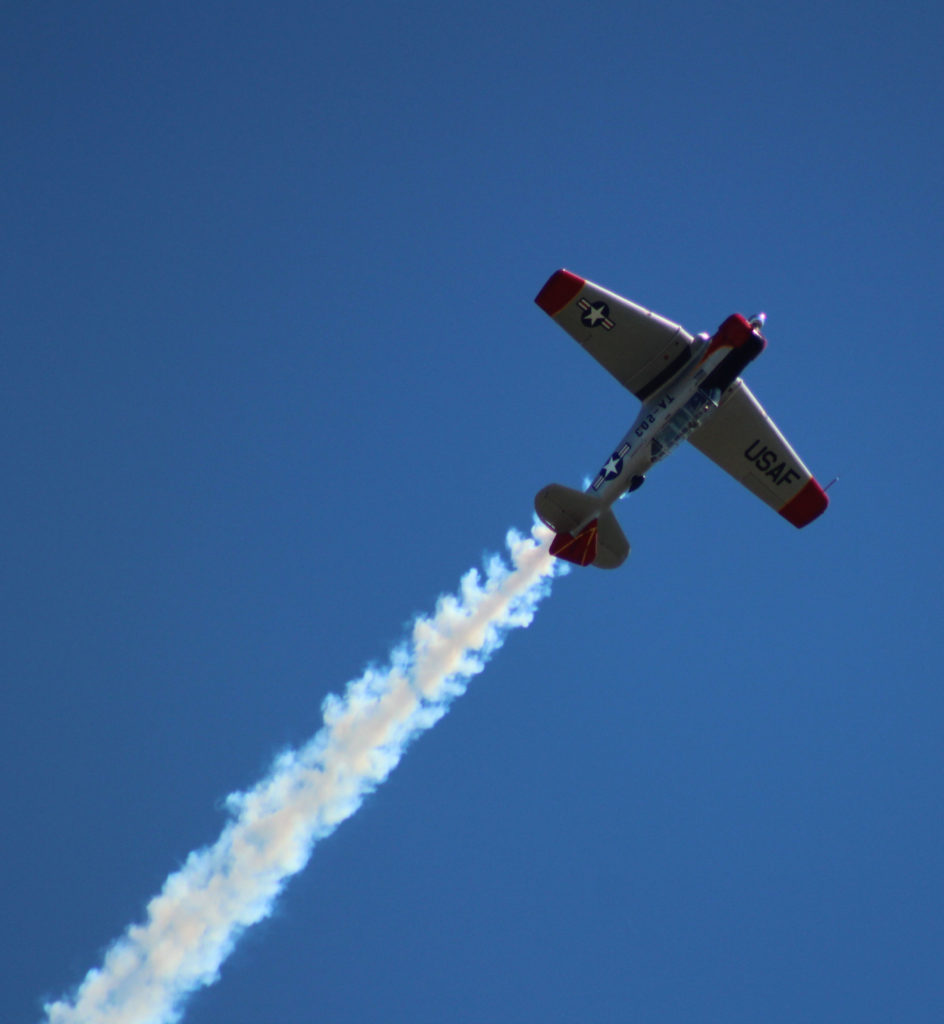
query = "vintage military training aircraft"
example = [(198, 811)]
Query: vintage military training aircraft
[(691, 390)]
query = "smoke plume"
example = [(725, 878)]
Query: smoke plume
[(203, 908)]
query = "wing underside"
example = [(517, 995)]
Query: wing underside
[(641, 349), (745, 442)]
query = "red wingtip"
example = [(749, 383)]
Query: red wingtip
[(808, 505), (562, 288), (581, 550)]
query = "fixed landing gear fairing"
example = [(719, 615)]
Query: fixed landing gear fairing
[(691, 390)]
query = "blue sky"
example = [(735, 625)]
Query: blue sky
[(274, 380)]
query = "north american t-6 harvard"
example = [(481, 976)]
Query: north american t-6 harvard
[(691, 390)]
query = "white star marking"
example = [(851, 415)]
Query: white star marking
[(612, 468)]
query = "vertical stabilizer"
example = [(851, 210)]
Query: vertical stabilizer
[(587, 532)]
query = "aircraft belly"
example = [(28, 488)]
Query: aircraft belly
[(636, 464)]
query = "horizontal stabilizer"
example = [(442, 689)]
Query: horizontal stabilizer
[(586, 534), (612, 545), (565, 510)]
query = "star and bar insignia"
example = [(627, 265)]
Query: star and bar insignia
[(613, 467), (594, 314)]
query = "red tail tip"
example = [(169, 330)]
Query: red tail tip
[(581, 550)]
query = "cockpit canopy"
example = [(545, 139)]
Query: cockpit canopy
[(683, 422)]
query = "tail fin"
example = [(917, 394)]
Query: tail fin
[(587, 532)]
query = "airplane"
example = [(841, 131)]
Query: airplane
[(691, 390)]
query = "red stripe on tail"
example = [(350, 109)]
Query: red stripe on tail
[(581, 550)]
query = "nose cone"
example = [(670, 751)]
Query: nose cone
[(757, 321)]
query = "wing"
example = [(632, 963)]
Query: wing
[(745, 442), (641, 349)]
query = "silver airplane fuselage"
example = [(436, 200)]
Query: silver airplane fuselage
[(669, 416)]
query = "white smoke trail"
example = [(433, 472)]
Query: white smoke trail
[(193, 924)]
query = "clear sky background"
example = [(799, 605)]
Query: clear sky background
[(273, 379)]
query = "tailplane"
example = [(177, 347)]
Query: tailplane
[(587, 532)]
